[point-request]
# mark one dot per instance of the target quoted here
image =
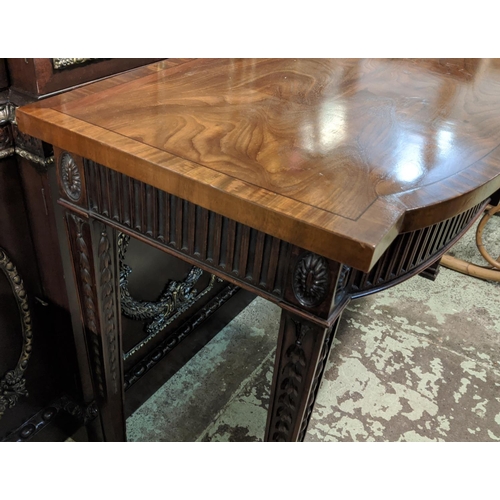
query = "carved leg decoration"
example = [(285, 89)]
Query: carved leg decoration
[(303, 349), (93, 248)]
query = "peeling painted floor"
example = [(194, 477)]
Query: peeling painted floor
[(418, 362)]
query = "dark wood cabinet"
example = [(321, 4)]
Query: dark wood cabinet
[(39, 77)]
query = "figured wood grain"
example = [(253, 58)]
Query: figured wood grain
[(336, 156)]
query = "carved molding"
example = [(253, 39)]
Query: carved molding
[(107, 328), (13, 384), (110, 326), (71, 177), (428, 243), (260, 260), (61, 63), (88, 301), (4, 153), (176, 298), (311, 280), (14, 142), (318, 375), (44, 162)]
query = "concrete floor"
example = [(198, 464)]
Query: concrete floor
[(418, 362)]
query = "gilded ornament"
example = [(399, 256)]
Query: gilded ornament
[(13, 384), (67, 62)]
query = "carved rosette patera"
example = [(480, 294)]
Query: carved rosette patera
[(13, 384), (71, 177), (311, 279)]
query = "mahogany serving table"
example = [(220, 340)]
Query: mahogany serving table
[(308, 182)]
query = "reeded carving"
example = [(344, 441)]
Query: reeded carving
[(410, 253), (311, 279), (258, 259), (13, 384), (70, 177)]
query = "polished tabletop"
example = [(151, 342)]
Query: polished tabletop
[(337, 156)]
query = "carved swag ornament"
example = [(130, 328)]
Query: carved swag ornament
[(176, 298), (13, 385)]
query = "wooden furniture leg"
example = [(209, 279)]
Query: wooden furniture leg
[(316, 287), (94, 260), (303, 349)]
